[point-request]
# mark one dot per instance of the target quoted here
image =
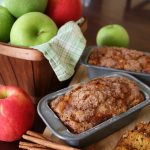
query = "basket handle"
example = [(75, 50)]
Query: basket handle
[(30, 53), (82, 23)]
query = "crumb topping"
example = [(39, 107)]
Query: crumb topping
[(96, 101)]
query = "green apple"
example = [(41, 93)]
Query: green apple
[(6, 22), (20, 7), (112, 35), (32, 29)]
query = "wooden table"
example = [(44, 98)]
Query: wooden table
[(99, 13)]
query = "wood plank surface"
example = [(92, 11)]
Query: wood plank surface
[(109, 142), (6, 71), (42, 77), (24, 74)]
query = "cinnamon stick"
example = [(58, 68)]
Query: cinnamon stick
[(34, 134), (38, 135), (39, 149), (47, 143), (31, 145), (32, 148)]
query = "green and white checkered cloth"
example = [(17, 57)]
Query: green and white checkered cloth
[(64, 50)]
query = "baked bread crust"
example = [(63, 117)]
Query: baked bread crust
[(91, 103), (137, 139), (120, 58)]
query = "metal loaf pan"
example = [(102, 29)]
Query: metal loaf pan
[(98, 132), (95, 71)]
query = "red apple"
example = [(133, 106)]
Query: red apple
[(62, 11), (17, 113)]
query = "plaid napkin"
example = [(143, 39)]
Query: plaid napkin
[(64, 50)]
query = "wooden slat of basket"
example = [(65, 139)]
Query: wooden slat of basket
[(36, 77), (7, 73), (44, 77), (1, 80), (24, 73), (20, 52)]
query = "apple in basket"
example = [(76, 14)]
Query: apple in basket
[(32, 29), (62, 11), (17, 113), (21, 7), (6, 22)]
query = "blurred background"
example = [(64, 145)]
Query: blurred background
[(134, 15)]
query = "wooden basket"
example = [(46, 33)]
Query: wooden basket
[(28, 68)]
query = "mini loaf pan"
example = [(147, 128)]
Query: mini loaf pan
[(96, 71), (98, 132)]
